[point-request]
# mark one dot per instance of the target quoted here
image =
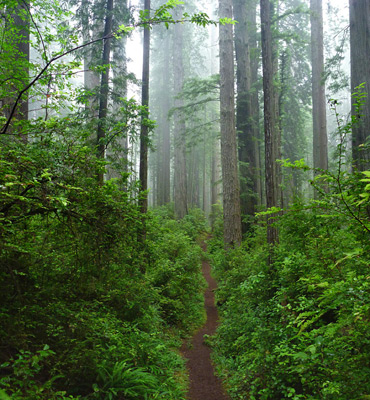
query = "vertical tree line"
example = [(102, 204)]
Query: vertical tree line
[(230, 179), (247, 107), (187, 158), (144, 131), (359, 12), (180, 171), (320, 141)]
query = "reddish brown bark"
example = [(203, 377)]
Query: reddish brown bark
[(320, 140), (360, 73), (230, 177), (270, 122)]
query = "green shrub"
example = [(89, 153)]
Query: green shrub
[(75, 276), (297, 328)]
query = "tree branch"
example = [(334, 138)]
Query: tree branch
[(111, 35)]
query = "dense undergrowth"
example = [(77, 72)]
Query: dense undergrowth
[(299, 328), (87, 310)]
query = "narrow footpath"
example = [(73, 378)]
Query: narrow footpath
[(204, 385)]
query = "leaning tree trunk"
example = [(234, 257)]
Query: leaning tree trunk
[(360, 73), (230, 178)]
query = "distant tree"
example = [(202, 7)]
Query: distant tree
[(180, 171), (294, 93), (215, 151), (161, 97), (359, 11), (144, 132), (15, 51), (90, 17), (320, 140), (270, 122), (118, 154), (104, 86), (164, 176), (246, 112), (215, 172), (230, 177), (22, 50)]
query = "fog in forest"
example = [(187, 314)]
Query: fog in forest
[(150, 148)]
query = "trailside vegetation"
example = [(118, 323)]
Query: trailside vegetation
[(100, 277), (88, 310), (297, 327)]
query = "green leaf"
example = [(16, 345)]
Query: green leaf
[(3, 395)]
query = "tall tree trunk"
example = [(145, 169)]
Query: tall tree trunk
[(166, 137), (144, 133), (23, 53), (159, 158), (180, 173), (320, 140), (215, 171), (118, 152), (19, 39), (269, 116), (245, 118), (91, 55), (255, 110), (204, 195), (359, 11), (104, 87), (274, 27), (215, 159), (230, 178)]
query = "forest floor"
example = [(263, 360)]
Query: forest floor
[(204, 385)]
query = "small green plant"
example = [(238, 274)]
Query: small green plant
[(26, 380), (124, 379)]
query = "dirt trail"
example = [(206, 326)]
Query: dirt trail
[(204, 385)]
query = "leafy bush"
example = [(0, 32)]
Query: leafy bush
[(76, 279), (297, 328)]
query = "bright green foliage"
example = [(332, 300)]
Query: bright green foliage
[(299, 328), (87, 311), (75, 278), (162, 15), (75, 281)]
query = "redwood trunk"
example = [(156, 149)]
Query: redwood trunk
[(360, 73), (320, 141), (104, 87), (180, 173), (269, 116), (230, 178), (245, 14), (144, 133)]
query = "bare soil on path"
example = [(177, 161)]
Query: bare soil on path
[(204, 385)]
